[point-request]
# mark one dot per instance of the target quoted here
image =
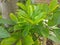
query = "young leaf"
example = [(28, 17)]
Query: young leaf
[(13, 17), (21, 5)]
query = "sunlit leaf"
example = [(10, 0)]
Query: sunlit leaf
[(19, 42), (53, 5), (21, 5), (28, 40), (8, 41), (13, 17)]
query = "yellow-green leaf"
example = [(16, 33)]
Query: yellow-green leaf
[(13, 17)]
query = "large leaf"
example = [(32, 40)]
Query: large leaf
[(4, 33), (8, 41), (28, 40)]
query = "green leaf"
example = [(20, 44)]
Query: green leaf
[(19, 42), (45, 32), (28, 2), (28, 40), (55, 18), (26, 30), (17, 27), (53, 5), (39, 17), (21, 5), (57, 33), (4, 33), (5, 21), (13, 17), (54, 38), (30, 10), (37, 42), (8, 41), (36, 10), (44, 7)]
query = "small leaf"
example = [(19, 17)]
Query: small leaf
[(4, 33), (13, 17), (21, 5)]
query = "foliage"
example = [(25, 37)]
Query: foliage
[(31, 22)]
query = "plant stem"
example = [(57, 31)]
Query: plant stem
[(44, 41)]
